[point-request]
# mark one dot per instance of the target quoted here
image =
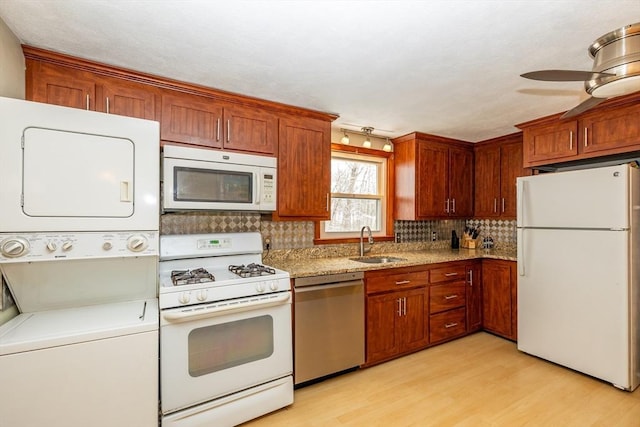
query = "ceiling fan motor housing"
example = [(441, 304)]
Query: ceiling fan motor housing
[(617, 52)]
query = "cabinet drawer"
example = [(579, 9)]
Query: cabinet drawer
[(446, 325), (447, 274), (446, 297), (396, 281)]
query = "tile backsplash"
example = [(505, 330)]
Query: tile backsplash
[(300, 234)]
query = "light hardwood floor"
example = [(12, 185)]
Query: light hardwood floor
[(479, 380)]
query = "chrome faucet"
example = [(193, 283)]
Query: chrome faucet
[(371, 242)]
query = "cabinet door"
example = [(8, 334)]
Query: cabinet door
[(59, 85), (474, 297), (383, 314), (611, 132), (249, 129), (510, 168), (549, 144), (127, 99), (190, 119), (432, 183), (487, 181), (460, 182), (304, 167), (496, 297), (415, 323)]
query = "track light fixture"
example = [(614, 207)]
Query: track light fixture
[(367, 131), (345, 138)]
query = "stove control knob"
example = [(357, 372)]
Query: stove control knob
[(184, 298), (273, 285), (137, 243), (107, 246), (67, 246), (14, 247), (202, 295), (51, 246), (260, 287)]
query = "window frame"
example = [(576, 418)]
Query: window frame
[(389, 177)]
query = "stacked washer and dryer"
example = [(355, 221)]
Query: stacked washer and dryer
[(79, 240)]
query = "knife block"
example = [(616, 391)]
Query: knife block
[(470, 243)]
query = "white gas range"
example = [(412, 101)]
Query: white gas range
[(225, 330)]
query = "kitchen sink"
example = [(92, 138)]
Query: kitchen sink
[(377, 259)]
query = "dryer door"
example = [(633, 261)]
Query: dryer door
[(72, 174)]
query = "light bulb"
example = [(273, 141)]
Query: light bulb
[(345, 139), (367, 143), (386, 146)]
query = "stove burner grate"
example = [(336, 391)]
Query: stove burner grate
[(251, 270), (190, 277)]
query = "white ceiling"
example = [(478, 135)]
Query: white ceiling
[(445, 67)]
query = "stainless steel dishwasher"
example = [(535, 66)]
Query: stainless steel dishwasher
[(328, 324)]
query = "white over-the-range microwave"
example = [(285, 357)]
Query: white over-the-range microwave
[(203, 179)]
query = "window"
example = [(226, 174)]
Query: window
[(358, 195)]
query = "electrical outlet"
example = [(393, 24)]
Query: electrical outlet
[(267, 243), (434, 236)]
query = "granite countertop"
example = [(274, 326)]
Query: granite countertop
[(318, 266)]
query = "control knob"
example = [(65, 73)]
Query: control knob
[(14, 247), (137, 243), (184, 298), (67, 246), (202, 295), (260, 287), (107, 246), (51, 246), (273, 285)]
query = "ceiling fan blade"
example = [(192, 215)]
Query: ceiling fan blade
[(583, 106), (564, 75)]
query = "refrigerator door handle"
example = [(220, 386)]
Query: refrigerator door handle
[(520, 199), (520, 250)]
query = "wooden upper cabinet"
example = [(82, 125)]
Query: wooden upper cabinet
[(557, 142), (498, 164), (460, 182), (432, 174), (53, 84), (613, 128), (434, 178), (69, 87), (250, 129), (487, 180), (304, 168), (191, 119), (188, 113), (510, 169), (613, 132), (126, 98), (199, 120)]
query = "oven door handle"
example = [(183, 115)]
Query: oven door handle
[(185, 315)]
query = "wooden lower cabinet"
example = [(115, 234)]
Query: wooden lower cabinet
[(447, 302), (396, 324), (412, 308), (474, 296), (447, 325), (499, 297), (397, 313)]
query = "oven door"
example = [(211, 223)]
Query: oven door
[(208, 351)]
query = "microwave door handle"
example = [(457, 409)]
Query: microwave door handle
[(256, 192)]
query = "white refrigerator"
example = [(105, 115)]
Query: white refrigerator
[(578, 258)]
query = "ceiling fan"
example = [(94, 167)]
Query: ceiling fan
[(616, 69)]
